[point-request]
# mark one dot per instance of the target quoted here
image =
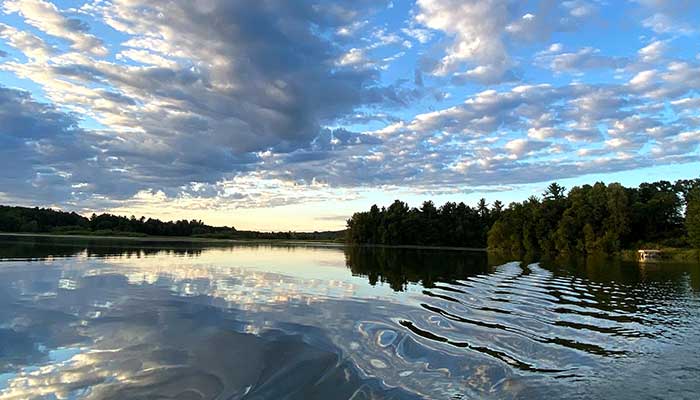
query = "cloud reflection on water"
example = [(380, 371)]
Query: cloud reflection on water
[(257, 322)]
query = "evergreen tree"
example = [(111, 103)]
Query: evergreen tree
[(588, 219), (554, 192), (692, 218)]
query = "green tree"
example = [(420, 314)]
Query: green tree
[(554, 192), (692, 218), (498, 237), (616, 224), (587, 219)]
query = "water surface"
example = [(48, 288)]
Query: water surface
[(110, 320)]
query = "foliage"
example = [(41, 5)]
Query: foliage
[(692, 218), (450, 225), (588, 219), (23, 219), (594, 219), (45, 220)]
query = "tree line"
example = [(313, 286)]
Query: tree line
[(47, 220), (38, 220), (587, 219), (451, 224)]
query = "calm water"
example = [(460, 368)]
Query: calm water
[(97, 320)]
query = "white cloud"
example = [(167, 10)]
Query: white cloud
[(580, 8), (48, 18), (421, 35), (662, 23), (146, 57), (586, 58), (191, 111), (30, 45), (643, 79), (354, 56), (520, 147), (480, 35), (653, 51), (475, 29), (671, 16)]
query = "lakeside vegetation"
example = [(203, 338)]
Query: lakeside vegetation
[(46, 220), (589, 219), (454, 225)]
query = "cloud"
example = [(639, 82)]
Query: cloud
[(48, 18), (586, 58), (317, 100), (354, 57), (670, 17), (421, 35), (662, 23), (526, 134), (187, 101), (475, 29), (480, 34), (30, 45), (520, 147), (654, 51), (40, 148)]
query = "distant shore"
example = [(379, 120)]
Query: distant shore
[(174, 239), (671, 254), (201, 240)]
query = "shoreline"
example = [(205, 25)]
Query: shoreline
[(672, 254), (173, 239), (200, 240)]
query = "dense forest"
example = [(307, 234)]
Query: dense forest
[(46, 220), (450, 225), (595, 218)]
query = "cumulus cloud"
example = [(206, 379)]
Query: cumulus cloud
[(270, 103), (39, 148), (586, 58), (654, 51), (195, 101), (670, 17), (525, 134), (475, 27), (30, 45), (480, 34), (520, 147), (48, 18)]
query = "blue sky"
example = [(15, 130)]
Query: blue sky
[(292, 115)]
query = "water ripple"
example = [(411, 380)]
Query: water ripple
[(534, 320)]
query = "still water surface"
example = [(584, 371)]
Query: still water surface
[(109, 320)]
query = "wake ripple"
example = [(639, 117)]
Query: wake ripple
[(535, 321)]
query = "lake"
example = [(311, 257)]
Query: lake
[(104, 319)]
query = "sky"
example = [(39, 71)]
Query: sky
[(292, 115)]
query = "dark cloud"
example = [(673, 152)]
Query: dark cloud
[(38, 147), (271, 77), (24, 118), (246, 78), (202, 96)]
